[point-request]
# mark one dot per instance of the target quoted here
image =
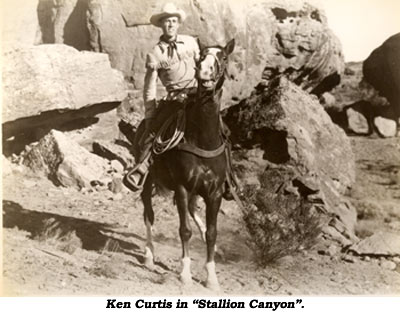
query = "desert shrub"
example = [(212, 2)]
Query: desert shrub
[(108, 264), (54, 233), (279, 224)]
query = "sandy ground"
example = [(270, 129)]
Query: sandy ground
[(59, 241)]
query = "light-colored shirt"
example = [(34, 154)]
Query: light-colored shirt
[(175, 71)]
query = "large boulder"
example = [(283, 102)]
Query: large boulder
[(44, 78), (378, 244), (114, 150), (357, 103), (65, 162), (290, 37), (304, 150), (357, 121), (382, 70)]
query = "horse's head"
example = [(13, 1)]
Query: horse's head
[(212, 66)]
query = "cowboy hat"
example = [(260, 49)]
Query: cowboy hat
[(168, 10)]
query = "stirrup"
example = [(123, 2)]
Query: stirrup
[(135, 178)]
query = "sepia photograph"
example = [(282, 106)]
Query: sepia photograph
[(200, 148)]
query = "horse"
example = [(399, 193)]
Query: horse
[(195, 168)]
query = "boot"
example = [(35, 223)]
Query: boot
[(135, 178)]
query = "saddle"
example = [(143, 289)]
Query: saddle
[(169, 126)]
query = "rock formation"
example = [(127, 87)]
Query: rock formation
[(382, 70), (55, 87), (65, 162), (361, 103), (305, 152), (43, 78), (290, 37)]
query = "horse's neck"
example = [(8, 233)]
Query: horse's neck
[(206, 118)]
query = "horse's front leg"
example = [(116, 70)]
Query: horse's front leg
[(148, 215), (213, 204), (185, 232), (193, 212)]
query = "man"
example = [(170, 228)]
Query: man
[(173, 61)]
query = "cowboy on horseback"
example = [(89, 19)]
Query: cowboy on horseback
[(173, 61)]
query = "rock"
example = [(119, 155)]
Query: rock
[(380, 244), (385, 127), (348, 91), (60, 78), (64, 21), (6, 167), (303, 147), (388, 265), (113, 151), (20, 24), (65, 162), (131, 109), (290, 37), (333, 250), (357, 102), (349, 259), (293, 128), (116, 186), (382, 70), (327, 100), (357, 122), (366, 258), (117, 166)]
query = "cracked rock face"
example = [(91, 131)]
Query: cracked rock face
[(303, 150), (65, 162), (272, 37), (59, 78)]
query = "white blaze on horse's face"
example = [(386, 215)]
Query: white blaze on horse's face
[(208, 68)]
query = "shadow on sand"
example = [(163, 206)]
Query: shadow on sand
[(93, 235)]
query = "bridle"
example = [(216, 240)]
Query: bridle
[(221, 66)]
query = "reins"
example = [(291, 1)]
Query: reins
[(162, 144)]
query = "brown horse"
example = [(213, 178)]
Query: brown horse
[(197, 167)]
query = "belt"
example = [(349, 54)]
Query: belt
[(181, 94)]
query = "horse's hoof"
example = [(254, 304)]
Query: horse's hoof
[(186, 280), (214, 286)]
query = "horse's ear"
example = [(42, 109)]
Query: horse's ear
[(201, 46), (229, 47)]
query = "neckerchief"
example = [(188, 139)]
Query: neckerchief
[(171, 46)]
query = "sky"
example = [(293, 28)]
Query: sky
[(362, 25)]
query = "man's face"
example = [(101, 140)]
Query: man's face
[(170, 26)]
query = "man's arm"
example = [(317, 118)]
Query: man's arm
[(150, 87), (196, 49)]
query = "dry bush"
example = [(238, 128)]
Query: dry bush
[(108, 264), (104, 266), (55, 234), (279, 225)]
